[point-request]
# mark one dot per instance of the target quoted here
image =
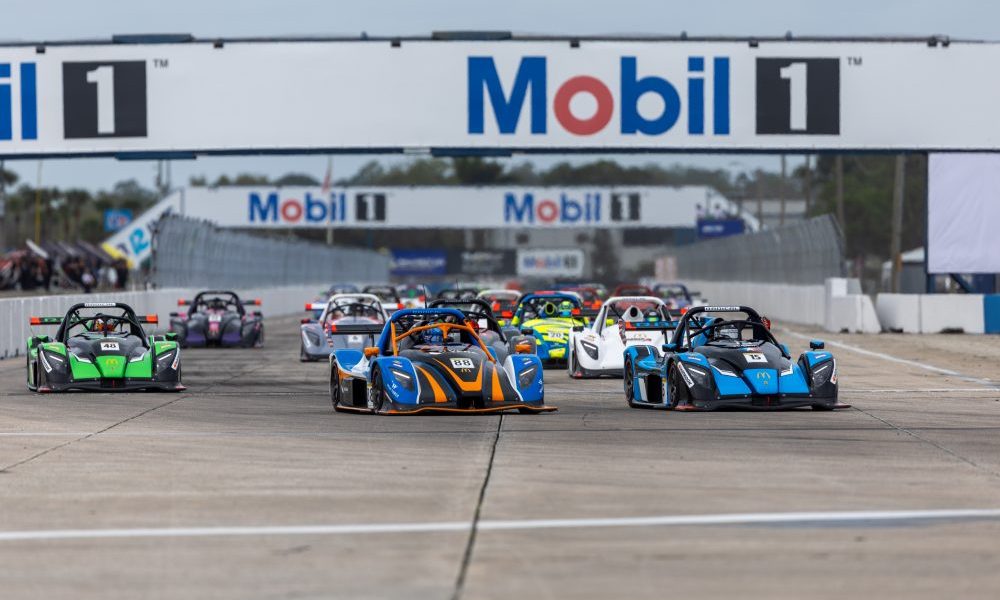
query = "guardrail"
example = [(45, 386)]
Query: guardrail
[(188, 252)]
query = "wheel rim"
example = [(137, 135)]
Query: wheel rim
[(673, 388), (334, 386), (377, 395)]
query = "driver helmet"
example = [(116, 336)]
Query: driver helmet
[(434, 336), (102, 325), (549, 309)]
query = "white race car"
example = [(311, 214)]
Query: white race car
[(598, 349)]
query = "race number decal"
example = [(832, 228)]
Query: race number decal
[(754, 357), (462, 363), (109, 346)]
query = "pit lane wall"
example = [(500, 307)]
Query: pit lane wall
[(15, 312), (836, 305)]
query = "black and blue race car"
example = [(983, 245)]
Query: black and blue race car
[(432, 360), (713, 362)]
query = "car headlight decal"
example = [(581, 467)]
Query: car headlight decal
[(827, 372), (527, 376), (590, 349), (137, 358), (699, 374), (404, 378)]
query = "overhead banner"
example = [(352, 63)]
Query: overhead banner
[(550, 263), (406, 262), (367, 95), (963, 213), (461, 207)]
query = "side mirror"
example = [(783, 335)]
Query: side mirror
[(175, 314), (817, 344), (371, 351), (527, 331), (670, 347), (170, 336), (305, 320), (257, 313), (785, 350), (578, 328), (523, 348)]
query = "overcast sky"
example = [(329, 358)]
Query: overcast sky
[(37, 20)]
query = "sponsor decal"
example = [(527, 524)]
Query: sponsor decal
[(798, 96), (529, 89), (18, 81), (684, 375), (764, 377), (99, 305), (590, 207), (104, 99), (754, 357), (272, 208), (462, 363), (721, 308), (109, 346)]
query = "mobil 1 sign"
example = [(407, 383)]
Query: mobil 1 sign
[(550, 263), (511, 95)]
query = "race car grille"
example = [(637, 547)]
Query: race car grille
[(112, 383), (766, 401)]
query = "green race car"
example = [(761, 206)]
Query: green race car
[(101, 346)]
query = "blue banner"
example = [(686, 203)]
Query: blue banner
[(716, 228), (418, 262), (116, 219)]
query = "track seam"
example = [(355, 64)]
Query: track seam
[(474, 529), (944, 449), (19, 463)]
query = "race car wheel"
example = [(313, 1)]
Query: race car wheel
[(376, 394), (628, 379), (676, 388), (334, 385), (573, 365), (303, 357), (260, 338), (32, 377)]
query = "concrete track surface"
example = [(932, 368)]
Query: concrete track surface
[(249, 486)]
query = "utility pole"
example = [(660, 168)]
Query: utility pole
[(895, 250), (3, 207), (839, 177), (808, 183), (781, 193), (38, 205)]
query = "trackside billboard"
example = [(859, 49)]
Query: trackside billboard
[(452, 207), (507, 95)]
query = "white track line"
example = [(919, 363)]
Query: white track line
[(804, 518), (902, 361)]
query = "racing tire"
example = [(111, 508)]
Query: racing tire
[(32, 377), (573, 365), (259, 342), (334, 385), (303, 357), (676, 388), (628, 378), (824, 407), (376, 395)]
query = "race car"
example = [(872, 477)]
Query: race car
[(413, 295), (549, 317), (713, 362), (622, 321), (632, 289), (101, 346), (591, 296), (480, 316), (333, 290), (430, 360), (387, 294), (501, 302), (677, 296), (457, 293), (218, 318), (320, 337)]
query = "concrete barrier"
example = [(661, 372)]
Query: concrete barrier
[(15, 312), (933, 313), (836, 305)]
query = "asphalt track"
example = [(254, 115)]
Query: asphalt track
[(249, 486)]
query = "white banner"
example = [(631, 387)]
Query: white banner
[(963, 212), (512, 95), (453, 207), (550, 263)]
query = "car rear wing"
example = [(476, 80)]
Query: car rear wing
[(254, 302), (649, 325), (357, 328), (154, 319), (311, 306), (183, 302), (45, 321)]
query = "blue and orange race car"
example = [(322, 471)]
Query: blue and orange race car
[(433, 360)]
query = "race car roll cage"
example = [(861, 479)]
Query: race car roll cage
[(232, 300), (73, 318), (375, 309), (575, 312), (485, 313), (389, 344), (754, 321), (609, 305)]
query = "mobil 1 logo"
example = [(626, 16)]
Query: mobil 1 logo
[(798, 96), (104, 99)]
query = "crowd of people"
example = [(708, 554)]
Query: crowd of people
[(27, 271)]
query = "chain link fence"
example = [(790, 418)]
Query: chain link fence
[(804, 253), (191, 253)]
